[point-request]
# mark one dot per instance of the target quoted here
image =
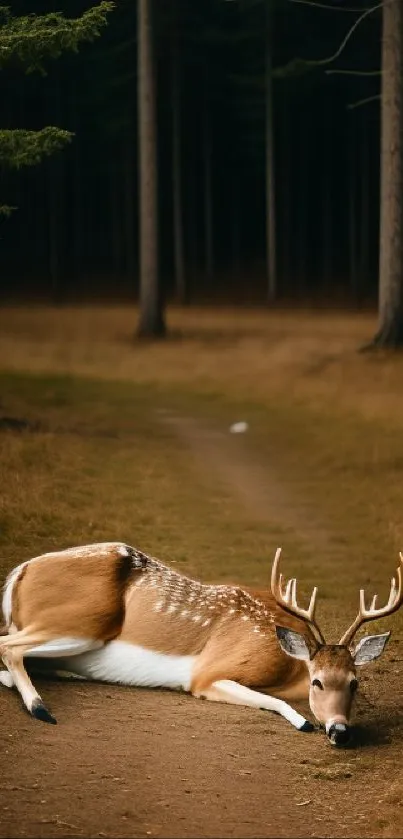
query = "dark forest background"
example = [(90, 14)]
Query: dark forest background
[(74, 235)]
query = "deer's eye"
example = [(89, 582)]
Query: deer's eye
[(317, 684), (353, 685)]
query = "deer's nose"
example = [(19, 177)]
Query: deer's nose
[(338, 734)]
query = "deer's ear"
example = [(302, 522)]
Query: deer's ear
[(370, 647), (293, 643)]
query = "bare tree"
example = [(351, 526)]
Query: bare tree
[(151, 322), (207, 179), (179, 265), (270, 165), (390, 330)]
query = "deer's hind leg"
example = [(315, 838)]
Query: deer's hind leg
[(25, 643)]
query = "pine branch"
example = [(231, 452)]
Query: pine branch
[(27, 148), (30, 39), (6, 211)]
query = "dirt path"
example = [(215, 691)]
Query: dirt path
[(261, 492), (125, 763), (133, 763)]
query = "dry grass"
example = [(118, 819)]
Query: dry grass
[(95, 464), (312, 355), (324, 418)]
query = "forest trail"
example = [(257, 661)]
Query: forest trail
[(229, 459)]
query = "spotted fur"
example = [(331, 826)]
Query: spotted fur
[(142, 622)]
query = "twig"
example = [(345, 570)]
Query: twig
[(350, 33), (302, 62), (325, 6), (353, 105), (354, 72)]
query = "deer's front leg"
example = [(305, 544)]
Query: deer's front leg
[(225, 690)]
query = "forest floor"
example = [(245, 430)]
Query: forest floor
[(105, 438)]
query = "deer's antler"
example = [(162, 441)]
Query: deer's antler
[(371, 614), (288, 599)]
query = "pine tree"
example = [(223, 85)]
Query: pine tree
[(390, 330), (26, 42), (151, 321)]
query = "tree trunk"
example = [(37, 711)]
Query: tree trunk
[(270, 184), (54, 221), (193, 210), (390, 331), (364, 207), (327, 219), (151, 322), (179, 266), (301, 190), (56, 193), (236, 226), (78, 222), (115, 185), (352, 212), (286, 195), (207, 173), (129, 211)]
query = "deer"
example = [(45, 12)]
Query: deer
[(110, 613)]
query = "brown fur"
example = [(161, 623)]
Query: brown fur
[(226, 648), (95, 592), (257, 663), (334, 657), (69, 595), (112, 591)]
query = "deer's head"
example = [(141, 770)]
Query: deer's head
[(332, 667)]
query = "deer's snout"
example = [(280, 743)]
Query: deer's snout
[(338, 733)]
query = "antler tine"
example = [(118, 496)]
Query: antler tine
[(280, 584), (365, 615), (275, 577), (288, 599), (312, 604), (393, 590), (293, 587), (288, 591)]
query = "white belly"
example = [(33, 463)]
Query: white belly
[(129, 664)]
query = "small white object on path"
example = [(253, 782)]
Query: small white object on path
[(238, 427)]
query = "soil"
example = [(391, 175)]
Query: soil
[(124, 762)]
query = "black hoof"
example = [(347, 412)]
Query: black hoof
[(307, 726), (39, 711)]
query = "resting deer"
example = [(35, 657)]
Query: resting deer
[(111, 613)]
